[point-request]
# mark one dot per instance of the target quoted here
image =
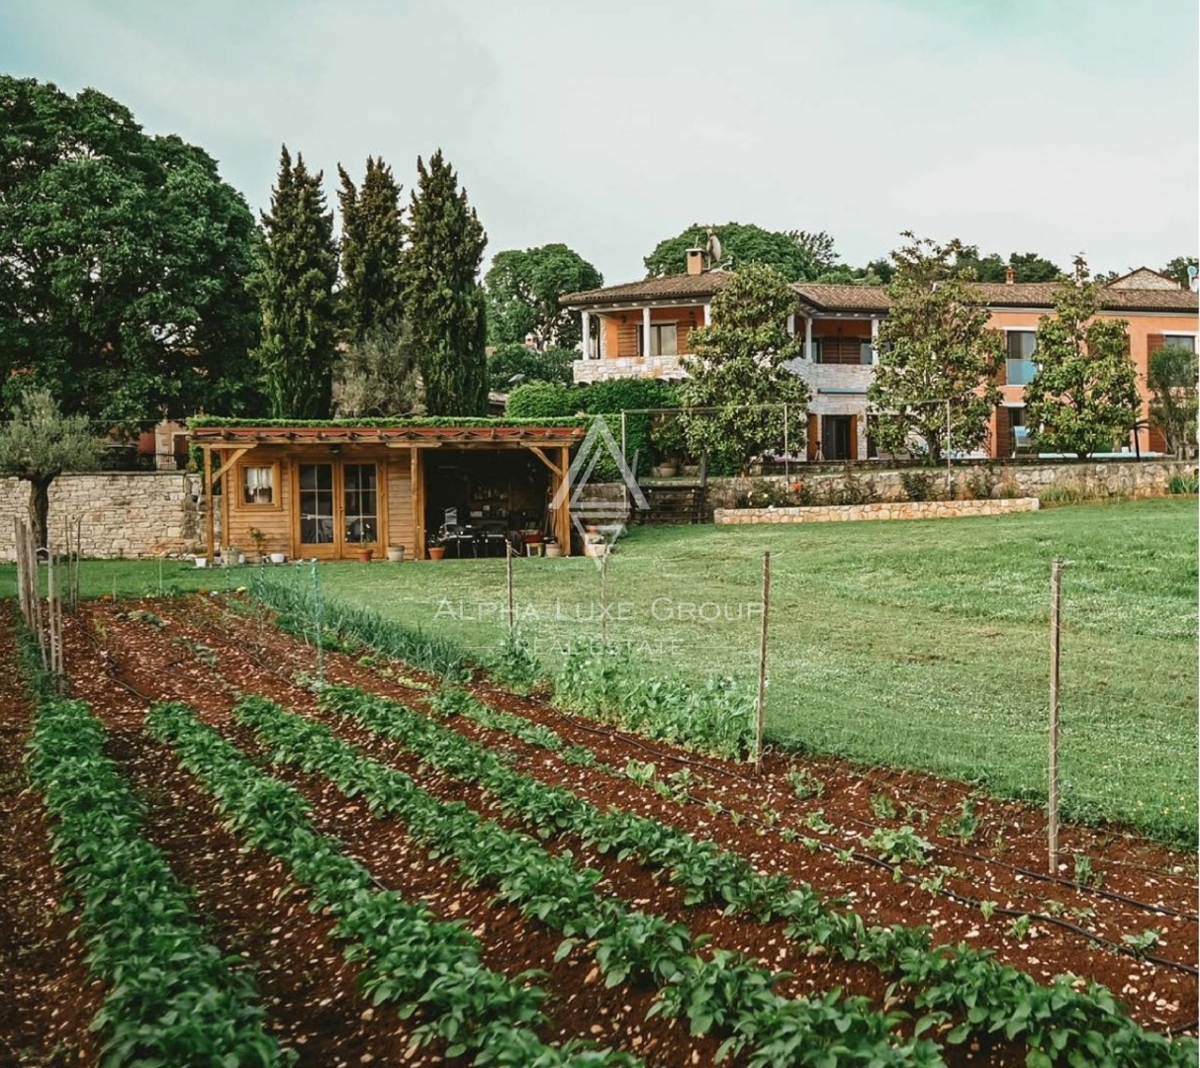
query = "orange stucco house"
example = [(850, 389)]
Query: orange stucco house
[(642, 330)]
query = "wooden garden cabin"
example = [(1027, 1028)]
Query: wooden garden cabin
[(330, 490)]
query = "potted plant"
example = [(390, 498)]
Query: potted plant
[(365, 555), (552, 547), (278, 558), (666, 469), (436, 552), (395, 554), (260, 543)]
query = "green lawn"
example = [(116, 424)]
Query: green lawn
[(921, 644)]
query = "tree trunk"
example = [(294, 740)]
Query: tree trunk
[(39, 509)]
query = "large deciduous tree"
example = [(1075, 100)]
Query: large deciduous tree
[(1173, 395), (442, 297), (295, 280), (935, 349), (738, 366), (1178, 269), (1084, 396), (523, 288), (38, 444), (1026, 266), (798, 255), (123, 264)]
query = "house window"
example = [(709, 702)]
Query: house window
[(664, 339), (1020, 368), (1179, 341), (866, 353), (259, 484)]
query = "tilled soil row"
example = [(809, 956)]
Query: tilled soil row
[(244, 896), (578, 1004), (48, 996), (1158, 997)]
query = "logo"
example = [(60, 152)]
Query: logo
[(607, 517)]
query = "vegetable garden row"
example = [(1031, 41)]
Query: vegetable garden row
[(252, 842)]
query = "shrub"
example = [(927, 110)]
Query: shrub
[(918, 485), (980, 483), (642, 435), (543, 400), (1183, 484)]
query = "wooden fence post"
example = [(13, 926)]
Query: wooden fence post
[(508, 566), (761, 712), (1056, 571)]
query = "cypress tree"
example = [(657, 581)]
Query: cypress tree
[(372, 247), (297, 272), (442, 297)]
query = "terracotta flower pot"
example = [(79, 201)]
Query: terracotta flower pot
[(365, 555), (436, 552), (395, 554)]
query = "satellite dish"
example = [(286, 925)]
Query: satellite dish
[(1193, 270), (714, 247)]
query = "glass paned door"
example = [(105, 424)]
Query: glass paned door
[(316, 504), (360, 494)]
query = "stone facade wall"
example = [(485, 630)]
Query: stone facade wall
[(885, 510), (125, 514), (586, 371)]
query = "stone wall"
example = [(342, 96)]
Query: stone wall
[(885, 510), (824, 484), (125, 514)]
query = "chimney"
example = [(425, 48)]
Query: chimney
[(1010, 276), (695, 260)]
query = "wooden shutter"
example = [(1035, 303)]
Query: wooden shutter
[(814, 433), (1154, 342), (853, 437), (1003, 433)]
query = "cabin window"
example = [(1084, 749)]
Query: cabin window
[(1179, 341), (260, 484)]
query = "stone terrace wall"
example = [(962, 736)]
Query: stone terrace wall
[(1092, 479), (125, 514), (887, 510)]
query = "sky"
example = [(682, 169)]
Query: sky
[(1055, 126)]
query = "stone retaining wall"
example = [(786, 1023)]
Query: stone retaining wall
[(884, 510), (125, 513)]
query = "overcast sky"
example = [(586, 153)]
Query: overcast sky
[(1054, 126)]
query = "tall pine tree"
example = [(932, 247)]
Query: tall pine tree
[(372, 247), (443, 300), (297, 272)]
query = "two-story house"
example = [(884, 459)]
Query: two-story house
[(642, 330)]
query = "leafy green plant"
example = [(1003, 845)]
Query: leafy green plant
[(805, 784), (883, 807), (1142, 943), (171, 998), (898, 847), (964, 825), (1019, 928), (918, 485), (1183, 484), (1085, 874), (640, 772)]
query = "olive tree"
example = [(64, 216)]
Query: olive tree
[(38, 444)]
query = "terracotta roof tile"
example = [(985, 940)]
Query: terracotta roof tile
[(669, 287), (850, 298)]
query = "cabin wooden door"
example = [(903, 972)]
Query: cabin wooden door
[(316, 500), (339, 509)]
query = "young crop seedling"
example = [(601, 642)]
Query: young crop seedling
[(883, 807), (805, 784), (896, 847), (1085, 874), (964, 825), (1019, 928), (640, 772), (1141, 944)]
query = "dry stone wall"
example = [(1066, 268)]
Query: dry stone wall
[(124, 514), (834, 513)]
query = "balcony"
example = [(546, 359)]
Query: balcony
[(628, 367)]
